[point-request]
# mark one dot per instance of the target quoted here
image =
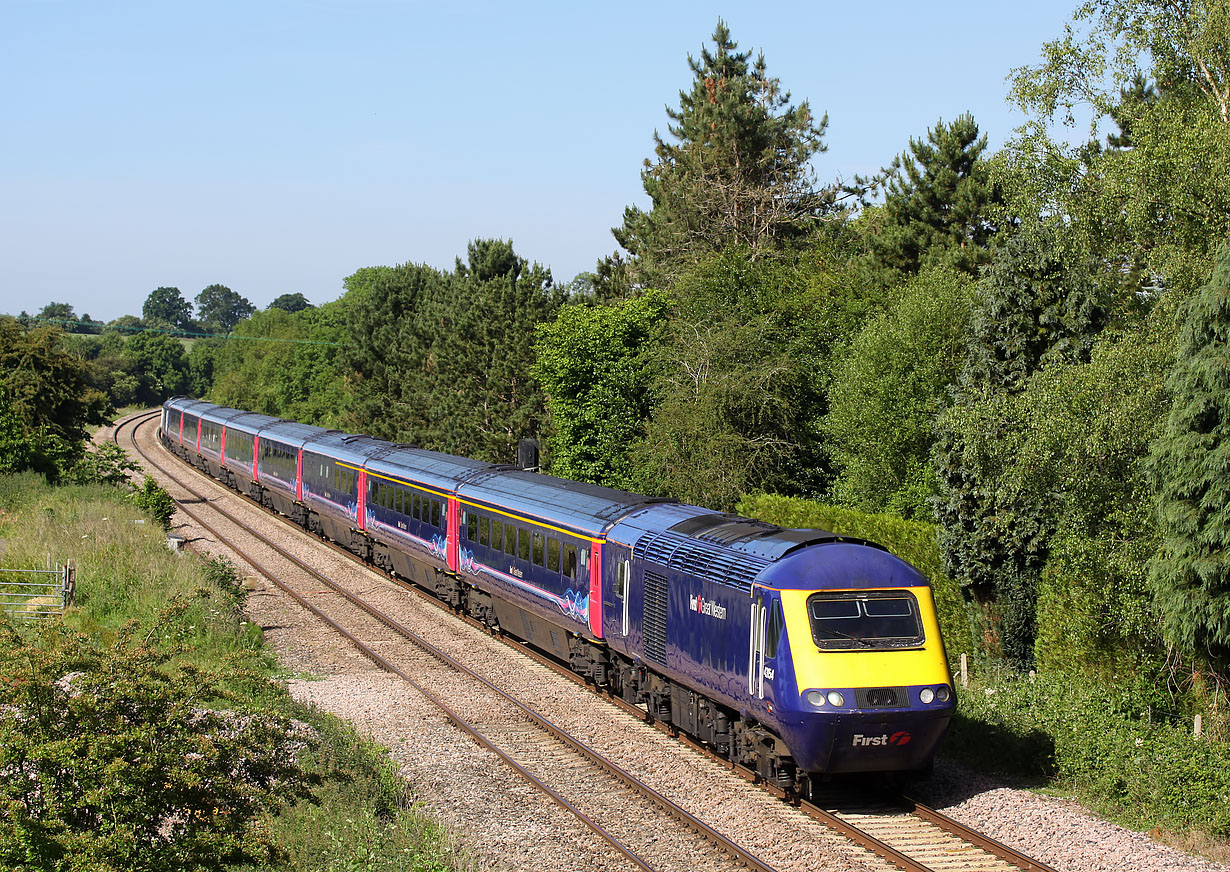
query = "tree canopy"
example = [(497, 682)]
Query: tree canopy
[(936, 204), (47, 398), (167, 306), (735, 170), (220, 308)]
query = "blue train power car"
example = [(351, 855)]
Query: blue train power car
[(798, 653)]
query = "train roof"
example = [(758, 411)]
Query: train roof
[(220, 414), (290, 432), (251, 422), (345, 447), (841, 564), (429, 468), (588, 508), (719, 547), (194, 407)]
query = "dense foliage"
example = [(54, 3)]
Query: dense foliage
[(443, 359), (46, 401), (113, 762), (1190, 574), (143, 731)]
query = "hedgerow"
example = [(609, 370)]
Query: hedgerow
[(1112, 744)]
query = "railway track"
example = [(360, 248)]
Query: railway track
[(899, 832)]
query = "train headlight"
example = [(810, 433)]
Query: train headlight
[(942, 693), (927, 695), (815, 697), (836, 698)]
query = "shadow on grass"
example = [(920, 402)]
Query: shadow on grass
[(1001, 756)]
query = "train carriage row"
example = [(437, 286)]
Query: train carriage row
[(797, 652)]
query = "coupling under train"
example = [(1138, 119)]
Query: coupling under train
[(798, 653)]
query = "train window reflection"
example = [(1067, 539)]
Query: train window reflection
[(875, 619)]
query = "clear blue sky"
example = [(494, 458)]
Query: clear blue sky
[(276, 146)]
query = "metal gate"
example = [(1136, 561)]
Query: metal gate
[(37, 593)]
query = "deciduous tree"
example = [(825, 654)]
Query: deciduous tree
[(888, 390), (220, 308), (49, 393), (596, 365), (167, 306), (290, 303)]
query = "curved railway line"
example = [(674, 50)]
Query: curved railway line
[(644, 827)]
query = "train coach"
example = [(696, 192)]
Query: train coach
[(798, 653)]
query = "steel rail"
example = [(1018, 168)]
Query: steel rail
[(961, 831), (847, 829), (596, 758)]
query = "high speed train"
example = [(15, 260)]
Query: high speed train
[(798, 653)]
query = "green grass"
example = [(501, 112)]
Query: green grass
[(362, 816)]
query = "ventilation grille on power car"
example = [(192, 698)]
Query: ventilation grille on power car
[(654, 626), (702, 559)]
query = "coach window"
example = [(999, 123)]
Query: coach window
[(538, 549), (484, 531), (471, 520), (553, 555), (570, 561), (523, 543), (497, 534), (435, 513), (774, 630), (510, 540)]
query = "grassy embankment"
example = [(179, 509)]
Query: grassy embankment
[(1098, 738), (362, 816)]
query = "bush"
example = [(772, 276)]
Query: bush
[(153, 499), (1107, 741), (912, 541), (111, 762), (103, 464)]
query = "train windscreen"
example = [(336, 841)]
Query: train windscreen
[(854, 620)]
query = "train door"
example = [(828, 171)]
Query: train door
[(755, 648), (767, 625), (617, 595)]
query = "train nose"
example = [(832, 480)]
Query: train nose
[(875, 742)]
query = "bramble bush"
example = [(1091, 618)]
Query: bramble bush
[(112, 758)]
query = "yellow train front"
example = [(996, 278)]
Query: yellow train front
[(860, 681), (797, 652)]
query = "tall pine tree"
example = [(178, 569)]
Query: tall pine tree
[(935, 203), (1190, 464), (735, 169)]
